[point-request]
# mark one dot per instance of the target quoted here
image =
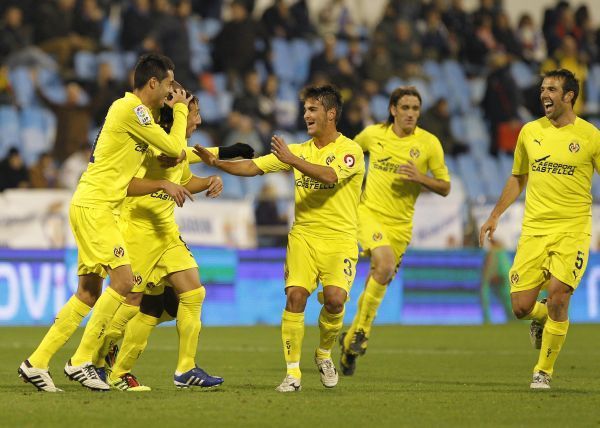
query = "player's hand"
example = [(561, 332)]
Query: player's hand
[(169, 162), (236, 150), (281, 150), (177, 192), (488, 228), (411, 172), (215, 186), (207, 157), (178, 96)]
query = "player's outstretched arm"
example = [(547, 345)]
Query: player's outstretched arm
[(512, 189), (212, 184), (244, 167), (143, 186), (322, 173)]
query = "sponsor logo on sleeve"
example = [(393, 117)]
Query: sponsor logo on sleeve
[(143, 115), (349, 160)]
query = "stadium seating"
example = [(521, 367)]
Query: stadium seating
[(9, 129)]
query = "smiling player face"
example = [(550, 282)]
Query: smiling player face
[(555, 101), (163, 88), (316, 117), (193, 119)]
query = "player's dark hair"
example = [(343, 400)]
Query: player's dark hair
[(327, 95), (166, 112), (570, 83), (395, 97), (149, 66)]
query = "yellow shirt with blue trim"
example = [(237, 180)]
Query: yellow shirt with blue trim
[(560, 164), (323, 210), (386, 192), (120, 148)]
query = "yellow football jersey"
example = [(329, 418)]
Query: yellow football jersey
[(386, 192), (120, 148), (324, 210), (560, 163), (156, 210)]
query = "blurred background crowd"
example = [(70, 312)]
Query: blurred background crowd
[(63, 62)]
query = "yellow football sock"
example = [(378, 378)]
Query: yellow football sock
[(188, 328), (137, 331), (369, 302), (115, 330), (292, 334), (329, 327), (538, 313), (555, 333), (105, 308), (66, 322)]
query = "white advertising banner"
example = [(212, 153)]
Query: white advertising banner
[(439, 222), (34, 218), (40, 219)]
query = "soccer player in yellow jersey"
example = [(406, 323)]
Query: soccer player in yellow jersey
[(160, 257), (400, 156), (555, 158), (129, 129), (328, 172)]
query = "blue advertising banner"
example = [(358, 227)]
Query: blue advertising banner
[(245, 287)]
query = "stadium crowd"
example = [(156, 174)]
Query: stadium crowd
[(63, 62)]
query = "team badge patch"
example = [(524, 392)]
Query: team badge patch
[(377, 236), (514, 278), (137, 278), (414, 153), (574, 146), (143, 115), (119, 251), (349, 160), (329, 159)]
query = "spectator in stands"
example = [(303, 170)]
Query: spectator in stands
[(378, 65), (587, 44), (241, 128), (13, 172), (481, 43), (435, 40), (552, 17), (136, 25), (326, 62), (404, 46), (437, 121), (252, 102), (7, 96), (569, 58), (356, 116), (234, 47), (74, 166), (208, 8), (531, 40), (272, 226), (506, 36), (299, 12), (279, 22), (43, 174), (14, 36), (104, 91), (335, 18), (54, 31), (501, 100), (88, 22), (73, 118)]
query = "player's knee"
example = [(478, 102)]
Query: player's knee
[(134, 299), (384, 272), (521, 310), (334, 306), (296, 301)]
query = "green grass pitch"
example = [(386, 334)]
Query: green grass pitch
[(410, 376)]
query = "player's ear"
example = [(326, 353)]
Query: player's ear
[(568, 97), (331, 113)]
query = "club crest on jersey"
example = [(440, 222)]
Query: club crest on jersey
[(150, 285), (119, 252), (377, 236), (137, 278), (414, 153), (574, 146), (329, 159), (143, 115), (514, 278), (349, 160)]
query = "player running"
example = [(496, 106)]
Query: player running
[(128, 132), (401, 154), (555, 158), (328, 171)]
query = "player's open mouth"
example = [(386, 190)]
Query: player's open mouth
[(548, 104)]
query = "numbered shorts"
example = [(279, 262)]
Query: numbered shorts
[(99, 239), (562, 255), (311, 260), (155, 254), (373, 233)]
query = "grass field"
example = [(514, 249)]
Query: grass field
[(411, 376)]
